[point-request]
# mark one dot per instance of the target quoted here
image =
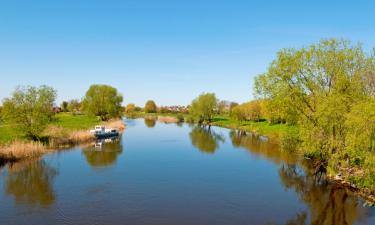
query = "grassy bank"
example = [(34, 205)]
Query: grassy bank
[(63, 120), (64, 131), (274, 131), (261, 127)]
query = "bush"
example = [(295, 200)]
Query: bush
[(150, 107), (290, 141), (103, 101), (30, 109), (180, 118)]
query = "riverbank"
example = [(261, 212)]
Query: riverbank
[(66, 130), (273, 131)]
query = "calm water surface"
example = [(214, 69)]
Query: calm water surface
[(171, 174)]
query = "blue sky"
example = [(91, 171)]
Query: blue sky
[(169, 51)]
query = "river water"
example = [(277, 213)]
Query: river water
[(168, 174)]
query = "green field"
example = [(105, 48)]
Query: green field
[(78, 122), (65, 120)]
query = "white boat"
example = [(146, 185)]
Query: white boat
[(102, 132)]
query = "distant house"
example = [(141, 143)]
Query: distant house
[(174, 109), (56, 109)]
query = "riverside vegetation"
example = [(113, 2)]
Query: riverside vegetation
[(30, 127)]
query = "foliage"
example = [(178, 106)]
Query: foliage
[(290, 141), (64, 106), (29, 109), (130, 108), (74, 106), (360, 142), (231, 107), (361, 120), (150, 107), (203, 107), (248, 111), (180, 118), (328, 89), (103, 101), (223, 107)]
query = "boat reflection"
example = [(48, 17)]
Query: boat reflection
[(103, 152)]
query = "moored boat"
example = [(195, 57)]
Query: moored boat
[(102, 132)]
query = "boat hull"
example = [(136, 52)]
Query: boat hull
[(107, 135)]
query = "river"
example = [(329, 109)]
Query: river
[(169, 174)]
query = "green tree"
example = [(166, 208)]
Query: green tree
[(64, 106), (29, 109), (328, 89), (204, 106), (1, 119), (150, 107), (74, 106), (248, 111), (130, 108), (103, 101), (318, 85), (223, 107), (231, 106)]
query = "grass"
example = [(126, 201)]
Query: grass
[(261, 127), (78, 122), (63, 120)]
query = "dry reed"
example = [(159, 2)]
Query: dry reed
[(22, 149)]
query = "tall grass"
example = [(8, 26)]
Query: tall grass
[(22, 149)]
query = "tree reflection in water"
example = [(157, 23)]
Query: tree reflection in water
[(258, 146), (328, 204), (150, 122), (31, 182), (103, 153), (206, 140)]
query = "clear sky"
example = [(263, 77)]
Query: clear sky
[(169, 51)]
